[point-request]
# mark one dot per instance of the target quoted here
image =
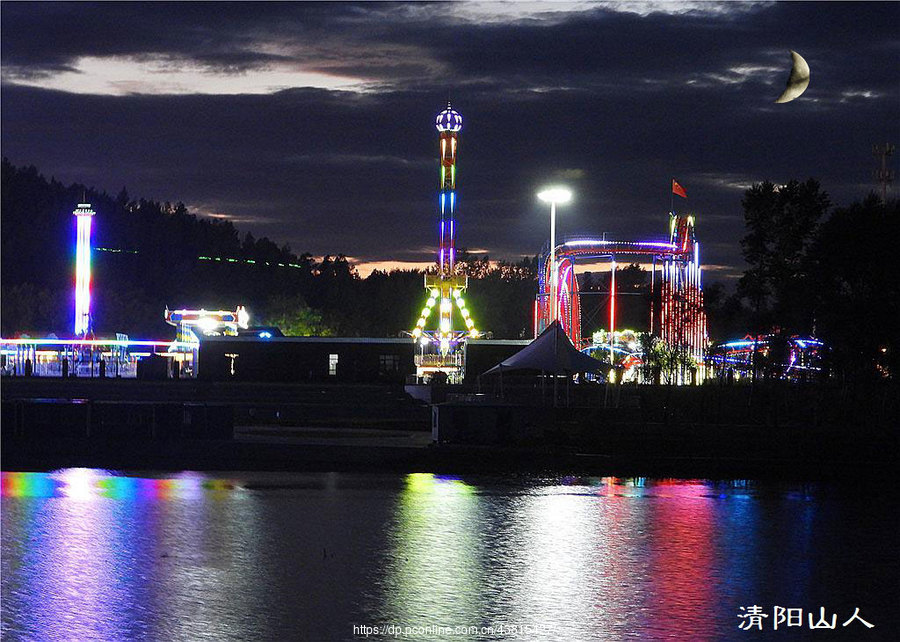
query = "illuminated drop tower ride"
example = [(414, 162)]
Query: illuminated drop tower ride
[(83, 217), (443, 350)]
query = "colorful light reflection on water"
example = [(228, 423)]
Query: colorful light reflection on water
[(80, 547), (93, 554), (84, 484)]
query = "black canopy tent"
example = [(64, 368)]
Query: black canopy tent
[(550, 353)]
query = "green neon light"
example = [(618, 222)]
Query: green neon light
[(114, 250), (296, 266)]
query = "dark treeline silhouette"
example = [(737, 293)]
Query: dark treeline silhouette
[(165, 256), (811, 270), (820, 272)]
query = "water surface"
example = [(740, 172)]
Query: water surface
[(101, 555)]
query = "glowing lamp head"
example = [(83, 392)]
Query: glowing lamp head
[(555, 195), (243, 317), (207, 324), (448, 120)]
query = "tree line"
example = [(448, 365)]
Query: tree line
[(812, 269), (816, 269), (150, 255)]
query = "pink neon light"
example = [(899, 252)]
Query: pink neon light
[(562, 291), (588, 242), (92, 342), (83, 270), (612, 305)]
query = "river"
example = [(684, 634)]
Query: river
[(102, 555)]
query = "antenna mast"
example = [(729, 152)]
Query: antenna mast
[(884, 175)]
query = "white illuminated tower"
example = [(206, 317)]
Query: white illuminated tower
[(84, 216), (443, 349)]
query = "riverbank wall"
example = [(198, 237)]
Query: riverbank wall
[(814, 430)]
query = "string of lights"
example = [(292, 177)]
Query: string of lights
[(217, 259)]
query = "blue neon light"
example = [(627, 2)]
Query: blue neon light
[(448, 120)]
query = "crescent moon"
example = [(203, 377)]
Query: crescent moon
[(798, 80)]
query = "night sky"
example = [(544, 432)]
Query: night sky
[(313, 123)]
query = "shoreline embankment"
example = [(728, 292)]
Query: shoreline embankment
[(772, 429)]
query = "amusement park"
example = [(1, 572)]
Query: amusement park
[(446, 321), (671, 345)]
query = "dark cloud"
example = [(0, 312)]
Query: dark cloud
[(615, 104), (67, 30)]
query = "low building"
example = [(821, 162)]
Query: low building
[(344, 359)]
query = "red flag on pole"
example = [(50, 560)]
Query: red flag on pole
[(678, 189)]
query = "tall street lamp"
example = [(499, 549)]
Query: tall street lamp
[(554, 195)]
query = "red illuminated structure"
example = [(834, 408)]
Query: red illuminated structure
[(676, 314)]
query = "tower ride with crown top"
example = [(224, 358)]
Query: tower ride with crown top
[(443, 350)]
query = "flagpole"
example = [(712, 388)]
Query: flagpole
[(672, 196)]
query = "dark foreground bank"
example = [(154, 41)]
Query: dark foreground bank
[(766, 432)]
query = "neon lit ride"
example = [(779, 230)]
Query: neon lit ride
[(53, 357), (83, 218), (193, 323), (627, 351), (677, 315), (443, 350), (775, 356)]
